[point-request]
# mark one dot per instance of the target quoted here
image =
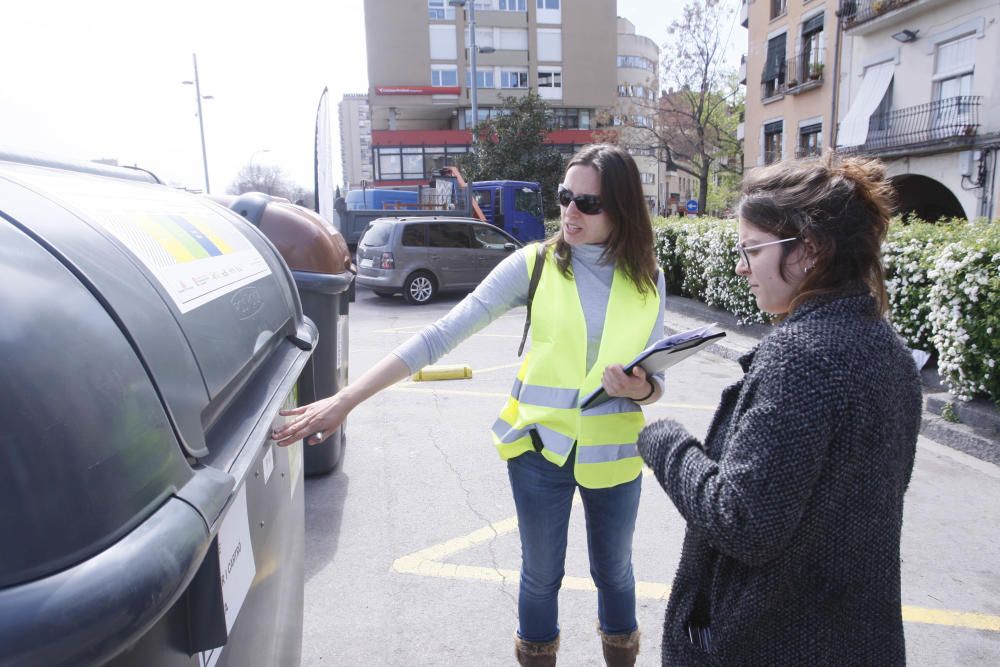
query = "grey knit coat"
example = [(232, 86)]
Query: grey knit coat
[(794, 503)]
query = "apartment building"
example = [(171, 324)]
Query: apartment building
[(789, 90), (919, 90), (419, 63), (635, 112), (355, 140)]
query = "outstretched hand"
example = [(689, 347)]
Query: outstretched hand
[(620, 384), (313, 422)]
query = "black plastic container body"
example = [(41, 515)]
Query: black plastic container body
[(149, 340), (325, 301), (321, 263)]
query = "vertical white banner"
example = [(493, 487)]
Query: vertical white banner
[(323, 161)]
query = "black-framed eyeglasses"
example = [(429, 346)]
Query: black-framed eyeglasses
[(586, 204), (744, 251)]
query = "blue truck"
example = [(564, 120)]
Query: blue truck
[(514, 206)]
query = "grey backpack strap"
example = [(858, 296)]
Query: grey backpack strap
[(536, 275)]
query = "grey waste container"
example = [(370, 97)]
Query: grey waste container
[(148, 341), (321, 264)]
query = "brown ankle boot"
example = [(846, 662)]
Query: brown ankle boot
[(620, 650), (535, 654)]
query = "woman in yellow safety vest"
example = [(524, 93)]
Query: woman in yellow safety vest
[(597, 301)]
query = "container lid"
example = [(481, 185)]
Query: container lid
[(304, 239), (200, 293)]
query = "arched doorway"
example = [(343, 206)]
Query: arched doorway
[(925, 198)]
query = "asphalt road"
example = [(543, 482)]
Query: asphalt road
[(412, 550)]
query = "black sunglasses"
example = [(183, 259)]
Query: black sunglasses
[(586, 204)]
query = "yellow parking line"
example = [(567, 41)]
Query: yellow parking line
[(957, 619), (420, 390), (465, 392), (429, 562), (495, 368)]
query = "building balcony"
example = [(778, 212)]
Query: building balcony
[(933, 127), (803, 72), (743, 69), (812, 151), (859, 15), (744, 14)]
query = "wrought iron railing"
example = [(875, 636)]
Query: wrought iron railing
[(856, 12), (948, 119), (802, 69), (812, 151)]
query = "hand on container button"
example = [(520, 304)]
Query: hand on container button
[(311, 422)]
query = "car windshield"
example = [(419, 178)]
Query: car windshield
[(377, 235)]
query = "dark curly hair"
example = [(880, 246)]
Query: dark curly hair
[(839, 206)]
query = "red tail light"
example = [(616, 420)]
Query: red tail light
[(388, 261)]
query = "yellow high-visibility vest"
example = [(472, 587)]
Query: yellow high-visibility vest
[(553, 380)]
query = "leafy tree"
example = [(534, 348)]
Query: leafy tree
[(511, 146), (696, 118)]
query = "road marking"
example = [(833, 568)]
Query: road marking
[(494, 394), (496, 368), (416, 330), (429, 562)]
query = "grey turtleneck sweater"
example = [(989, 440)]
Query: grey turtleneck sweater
[(506, 287)]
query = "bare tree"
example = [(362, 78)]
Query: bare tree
[(270, 180), (697, 113)]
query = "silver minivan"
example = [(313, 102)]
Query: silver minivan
[(420, 257)]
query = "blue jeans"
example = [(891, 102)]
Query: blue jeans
[(543, 495)]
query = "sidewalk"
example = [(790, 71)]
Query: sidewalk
[(977, 432)]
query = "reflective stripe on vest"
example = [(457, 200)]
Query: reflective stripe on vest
[(553, 378)]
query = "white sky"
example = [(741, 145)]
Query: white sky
[(86, 79)]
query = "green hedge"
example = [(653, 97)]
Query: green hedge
[(943, 281)]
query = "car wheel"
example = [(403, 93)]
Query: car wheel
[(419, 288), (383, 294)]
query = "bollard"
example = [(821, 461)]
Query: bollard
[(452, 372)]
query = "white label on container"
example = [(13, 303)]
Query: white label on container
[(193, 249), (294, 465), (236, 563), (268, 463), (341, 341)]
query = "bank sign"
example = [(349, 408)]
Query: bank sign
[(417, 90)]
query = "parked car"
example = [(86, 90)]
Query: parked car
[(420, 257)]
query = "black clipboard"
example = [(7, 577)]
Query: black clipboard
[(661, 355)]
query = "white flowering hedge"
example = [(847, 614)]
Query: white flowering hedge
[(698, 258), (943, 282)]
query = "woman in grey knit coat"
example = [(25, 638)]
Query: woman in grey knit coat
[(794, 502)]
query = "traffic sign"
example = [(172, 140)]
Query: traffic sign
[(692, 206)]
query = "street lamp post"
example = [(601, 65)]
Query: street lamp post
[(201, 123), (473, 50)]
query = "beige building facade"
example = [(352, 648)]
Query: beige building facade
[(788, 75), (637, 61), (355, 140), (919, 90), (419, 72)]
